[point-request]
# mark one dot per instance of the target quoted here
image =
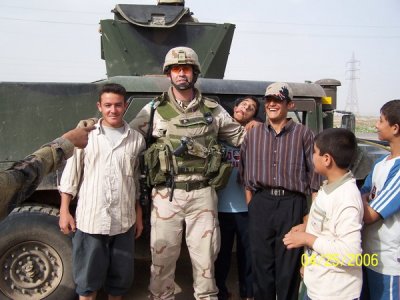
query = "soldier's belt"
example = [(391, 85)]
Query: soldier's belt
[(191, 185)]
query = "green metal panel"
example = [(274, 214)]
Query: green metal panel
[(132, 50), (32, 114)]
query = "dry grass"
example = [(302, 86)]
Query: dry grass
[(363, 124)]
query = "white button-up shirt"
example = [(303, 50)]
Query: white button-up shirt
[(105, 177)]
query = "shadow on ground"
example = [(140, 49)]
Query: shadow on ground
[(183, 279)]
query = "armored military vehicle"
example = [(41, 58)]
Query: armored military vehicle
[(35, 258)]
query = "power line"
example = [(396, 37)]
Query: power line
[(53, 10), (280, 33), (319, 35), (309, 24), (45, 21)]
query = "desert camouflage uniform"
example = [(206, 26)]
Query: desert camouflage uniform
[(20, 181), (196, 208)]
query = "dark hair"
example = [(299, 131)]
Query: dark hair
[(391, 111), (114, 88), (241, 99), (340, 143)]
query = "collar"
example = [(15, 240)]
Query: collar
[(290, 124), (330, 187), (100, 130), (192, 105)]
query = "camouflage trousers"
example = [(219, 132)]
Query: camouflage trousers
[(198, 210)]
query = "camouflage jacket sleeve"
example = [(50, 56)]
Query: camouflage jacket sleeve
[(20, 181), (141, 121)]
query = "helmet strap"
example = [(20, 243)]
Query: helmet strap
[(186, 86)]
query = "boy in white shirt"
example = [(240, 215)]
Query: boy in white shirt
[(108, 217), (332, 240)]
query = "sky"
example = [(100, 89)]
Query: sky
[(285, 40)]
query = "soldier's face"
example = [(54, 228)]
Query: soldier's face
[(181, 76), (245, 111), (112, 107)]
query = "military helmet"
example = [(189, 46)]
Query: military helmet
[(181, 56), (179, 2)]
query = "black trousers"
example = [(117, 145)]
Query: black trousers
[(231, 225), (275, 269)]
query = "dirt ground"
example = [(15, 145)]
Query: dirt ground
[(183, 280)]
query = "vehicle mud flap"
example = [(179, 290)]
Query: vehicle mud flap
[(32, 246)]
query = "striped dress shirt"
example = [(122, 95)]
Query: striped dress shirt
[(105, 178), (284, 160)]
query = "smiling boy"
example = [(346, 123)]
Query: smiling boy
[(276, 166), (105, 176), (381, 197)]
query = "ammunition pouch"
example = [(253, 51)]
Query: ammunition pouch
[(188, 147), (157, 161), (214, 160), (221, 180)]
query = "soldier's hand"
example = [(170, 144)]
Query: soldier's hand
[(66, 223), (87, 123), (78, 136)]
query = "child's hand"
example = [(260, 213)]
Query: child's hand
[(298, 228), (66, 222), (138, 229), (294, 239), (298, 239)]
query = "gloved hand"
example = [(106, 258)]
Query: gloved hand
[(87, 123), (79, 136)]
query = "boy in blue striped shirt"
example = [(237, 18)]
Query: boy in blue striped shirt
[(381, 198)]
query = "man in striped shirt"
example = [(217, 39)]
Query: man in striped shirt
[(277, 170), (105, 174)]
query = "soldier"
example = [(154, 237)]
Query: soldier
[(20, 181), (182, 162)]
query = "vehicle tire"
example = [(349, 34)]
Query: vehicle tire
[(35, 257)]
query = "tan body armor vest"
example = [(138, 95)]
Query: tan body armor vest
[(188, 144)]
